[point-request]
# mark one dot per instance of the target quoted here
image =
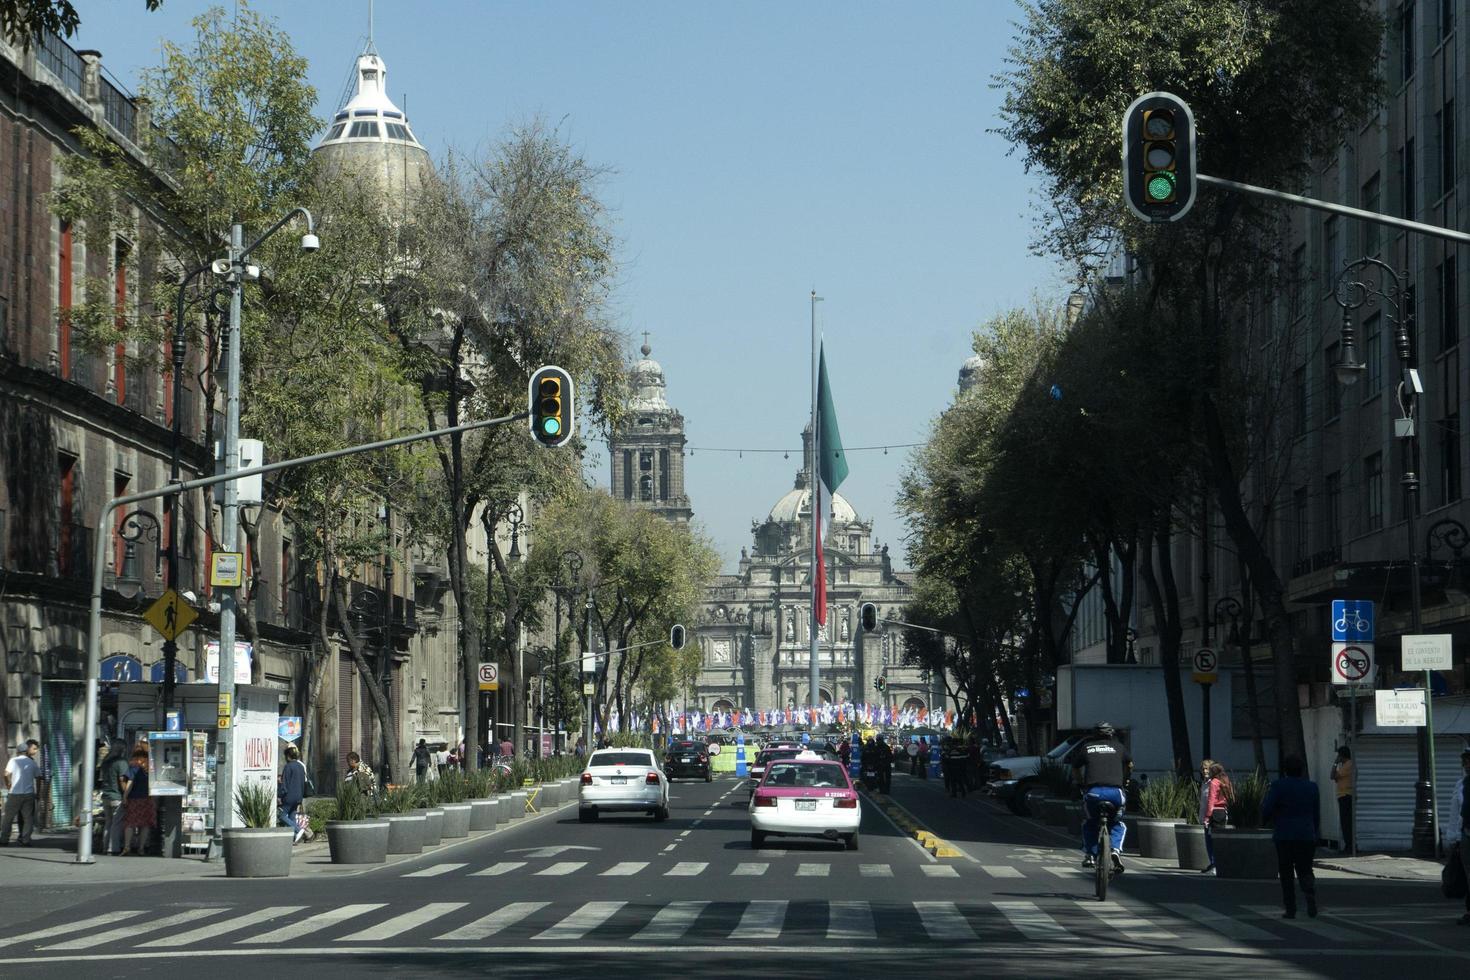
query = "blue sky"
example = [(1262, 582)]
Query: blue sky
[(754, 151)]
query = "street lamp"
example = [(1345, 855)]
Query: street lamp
[(137, 526), (1371, 281), (1230, 606)]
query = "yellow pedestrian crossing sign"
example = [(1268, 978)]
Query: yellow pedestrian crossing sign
[(170, 615)]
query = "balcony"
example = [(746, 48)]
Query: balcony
[(118, 109)]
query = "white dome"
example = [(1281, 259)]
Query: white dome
[(796, 504), (647, 377), (370, 116), (970, 371)]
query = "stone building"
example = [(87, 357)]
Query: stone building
[(648, 451)]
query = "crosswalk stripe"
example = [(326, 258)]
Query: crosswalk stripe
[(1124, 921), (235, 924), (875, 871), (1224, 924), (940, 870), (850, 921), (499, 868), (686, 869), (1030, 921), (942, 920), (626, 868), (672, 921), (497, 921), (562, 868), (762, 920), (1316, 927), (1068, 872), (1001, 871), (433, 870), (310, 924), (96, 920), (132, 929), (582, 921), (813, 870), (400, 924), (750, 868)]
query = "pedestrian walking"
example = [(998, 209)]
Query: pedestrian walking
[(1215, 796), (421, 758), (507, 750), (1342, 778), (292, 793), (1290, 808), (974, 765), (110, 776), (952, 762), (912, 751), (1462, 811), (139, 817), (23, 781)]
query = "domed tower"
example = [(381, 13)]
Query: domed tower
[(370, 139), (787, 528), (970, 372), (648, 449)]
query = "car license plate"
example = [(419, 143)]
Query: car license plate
[(686, 760), (619, 780), (806, 804)]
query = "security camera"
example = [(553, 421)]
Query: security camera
[(220, 267), (252, 272), (310, 243), (190, 597), (214, 607)]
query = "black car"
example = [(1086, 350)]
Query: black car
[(687, 758)]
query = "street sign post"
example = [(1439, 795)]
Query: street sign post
[(1352, 664), (1428, 651), (170, 615), (1206, 664), (1400, 709), (1352, 621), (489, 677)]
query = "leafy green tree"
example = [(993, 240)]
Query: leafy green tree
[(28, 20)]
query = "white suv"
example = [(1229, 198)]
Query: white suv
[(623, 780)]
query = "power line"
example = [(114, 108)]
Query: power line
[(787, 452)]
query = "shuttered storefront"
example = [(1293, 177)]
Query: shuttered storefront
[(1388, 767), (345, 730)]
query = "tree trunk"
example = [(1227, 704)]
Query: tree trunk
[(315, 675), (377, 700), (1252, 697), (1164, 599)]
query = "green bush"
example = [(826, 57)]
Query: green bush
[(318, 812), (255, 803), (480, 784), (1057, 779), (452, 787), (351, 803), (400, 799), (1170, 798), (1250, 793)]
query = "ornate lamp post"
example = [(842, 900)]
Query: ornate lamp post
[(1369, 281), (140, 525)]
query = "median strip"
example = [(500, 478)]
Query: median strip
[(909, 824)]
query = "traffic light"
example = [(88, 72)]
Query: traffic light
[(552, 400), (868, 617), (676, 636), (880, 683), (1158, 157)]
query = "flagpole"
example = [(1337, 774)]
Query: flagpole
[(813, 670)]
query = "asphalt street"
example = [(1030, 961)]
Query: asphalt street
[(625, 896)]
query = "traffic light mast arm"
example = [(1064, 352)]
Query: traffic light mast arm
[(915, 626), (1342, 209)]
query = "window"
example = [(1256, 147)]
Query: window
[(336, 132), (1373, 490), (627, 474), (66, 492), (119, 546), (1332, 516), (398, 131), (1331, 261), (1406, 41), (1445, 126), (1372, 201), (645, 487), (645, 462), (1449, 303), (1299, 400), (364, 130), (1300, 526), (1298, 273), (1330, 382), (1446, 18), (1373, 354), (663, 474), (120, 305), (63, 299), (1408, 204)]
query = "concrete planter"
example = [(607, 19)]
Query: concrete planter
[(456, 819), (550, 796), (406, 832), (1073, 813), (1053, 812), (258, 852), (1244, 853), (572, 791), (517, 804), (1156, 837), (1189, 841), (502, 808), (483, 814), (358, 841), (433, 825)]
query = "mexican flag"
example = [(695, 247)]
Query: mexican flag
[(831, 471)]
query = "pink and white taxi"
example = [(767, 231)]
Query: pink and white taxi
[(805, 796)]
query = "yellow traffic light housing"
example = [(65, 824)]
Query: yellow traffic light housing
[(552, 399)]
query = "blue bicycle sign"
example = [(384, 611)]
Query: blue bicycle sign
[(1352, 620)]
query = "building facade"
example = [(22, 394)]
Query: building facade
[(648, 450)]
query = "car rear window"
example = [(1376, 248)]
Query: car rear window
[(815, 775), (686, 747), (620, 759)]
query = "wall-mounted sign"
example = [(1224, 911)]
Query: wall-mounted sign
[(1428, 651), (1399, 709)]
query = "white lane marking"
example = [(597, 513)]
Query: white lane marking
[(672, 921), (70, 927), (875, 871), (940, 871), (132, 929), (500, 919), (1124, 921), (684, 833), (1001, 871), (813, 870), (498, 869), (433, 870), (625, 868), (762, 920), (942, 920), (750, 868), (1224, 924), (235, 924), (562, 868), (310, 924), (1030, 921), (582, 921), (669, 848), (686, 869), (1069, 872), (1307, 924), (850, 921), (400, 924)]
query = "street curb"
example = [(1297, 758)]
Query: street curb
[(1332, 866), (913, 827)]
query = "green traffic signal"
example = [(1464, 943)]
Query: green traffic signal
[(551, 427), (1160, 186), (1159, 174), (551, 404)]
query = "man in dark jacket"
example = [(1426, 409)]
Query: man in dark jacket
[(1291, 808), (1100, 765), (293, 790)]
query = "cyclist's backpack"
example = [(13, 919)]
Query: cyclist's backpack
[(1452, 878)]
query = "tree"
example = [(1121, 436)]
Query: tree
[(1309, 68), (27, 20)]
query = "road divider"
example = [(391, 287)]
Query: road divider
[(909, 824)]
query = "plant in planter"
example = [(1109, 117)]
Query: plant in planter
[(405, 828), (255, 803), (1164, 804), (1244, 849), (355, 836), (452, 791), (319, 812), (1250, 793), (259, 849)]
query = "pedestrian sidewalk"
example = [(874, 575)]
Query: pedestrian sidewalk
[(1398, 867)]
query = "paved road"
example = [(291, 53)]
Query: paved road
[(626, 896)]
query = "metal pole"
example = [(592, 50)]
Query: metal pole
[(224, 776), (1352, 752), (1205, 714), (587, 698), (1426, 819), (814, 670), (518, 712)]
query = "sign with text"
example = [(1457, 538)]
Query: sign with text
[(1352, 664), (1352, 620), (1428, 651), (1205, 665), (1399, 709), (243, 651)]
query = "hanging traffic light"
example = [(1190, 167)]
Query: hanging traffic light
[(676, 636), (552, 400), (868, 617), (1158, 157)]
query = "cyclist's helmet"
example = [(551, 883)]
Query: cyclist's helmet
[(1106, 729)]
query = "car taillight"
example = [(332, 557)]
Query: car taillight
[(846, 804), (765, 801), (652, 779), (704, 758), (586, 779)]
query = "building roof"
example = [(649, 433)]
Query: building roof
[(796, 504), (648, 384), (370, 116)]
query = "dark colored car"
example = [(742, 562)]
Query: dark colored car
[(687, 758)]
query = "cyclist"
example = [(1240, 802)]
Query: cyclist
[(1100, 765)]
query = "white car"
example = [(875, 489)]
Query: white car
[(806, 796), (623, 780)]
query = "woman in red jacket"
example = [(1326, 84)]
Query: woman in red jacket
[(1215, 796)]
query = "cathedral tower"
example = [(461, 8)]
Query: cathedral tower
[(648, 449)]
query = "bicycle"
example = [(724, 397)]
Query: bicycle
[(1358, 623), (1107, 813)]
